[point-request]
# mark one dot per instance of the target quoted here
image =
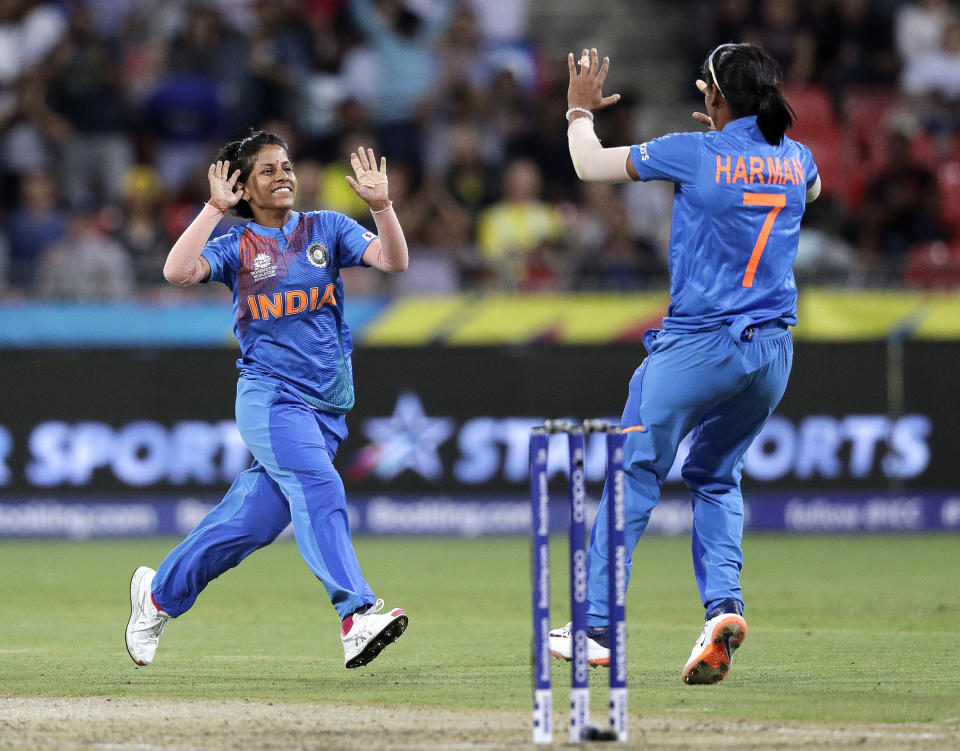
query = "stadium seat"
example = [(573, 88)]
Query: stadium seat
[(870, 157), (817, 126), (948, 179), (814, 109), (934, 265), (924, 150), (865, 108), (833, 154)]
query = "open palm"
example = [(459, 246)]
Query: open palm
[(223, 185), (585, 88), (370, 182)]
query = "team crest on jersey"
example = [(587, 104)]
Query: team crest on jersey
[(263, 267), (318, 255)]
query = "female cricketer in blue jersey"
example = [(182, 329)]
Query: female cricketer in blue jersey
[(720, 364), (295, 387)]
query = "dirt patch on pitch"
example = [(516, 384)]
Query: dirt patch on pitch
[(71, 724)]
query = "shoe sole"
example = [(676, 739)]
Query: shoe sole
[(380, 642), (597, 662), (713, 663), (126, 633)]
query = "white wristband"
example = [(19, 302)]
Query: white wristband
[(584, 110)]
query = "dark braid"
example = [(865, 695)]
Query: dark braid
[(750, 81), (242, 155)]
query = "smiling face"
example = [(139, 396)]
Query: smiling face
[(271, 187)]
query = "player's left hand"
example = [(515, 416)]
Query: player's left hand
[(699, 116), (370, 182), (586, 86)]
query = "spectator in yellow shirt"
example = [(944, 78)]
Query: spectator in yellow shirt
[(509, 231)]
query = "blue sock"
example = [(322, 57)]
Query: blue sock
[(600, 635), (723, 607)]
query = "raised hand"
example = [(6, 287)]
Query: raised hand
[(699, 116), (223, 185), (586, 86), (370, 182)]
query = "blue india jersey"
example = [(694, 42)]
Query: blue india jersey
[(288, 301), (737, 207)]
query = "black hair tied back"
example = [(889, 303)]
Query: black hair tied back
[(749, 79), (774, 114)]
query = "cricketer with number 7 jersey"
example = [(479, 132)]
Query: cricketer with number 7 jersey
[(720, 365), (736, 222)]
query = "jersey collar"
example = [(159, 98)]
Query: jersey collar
[(286, 229), (741, 123)]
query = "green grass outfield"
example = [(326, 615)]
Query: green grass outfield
[(863, 629)]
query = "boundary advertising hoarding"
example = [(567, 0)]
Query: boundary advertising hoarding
[(448, 426)]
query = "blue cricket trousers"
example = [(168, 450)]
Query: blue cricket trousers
[(723, 389), (292, 479)]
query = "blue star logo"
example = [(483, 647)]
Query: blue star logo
[(408, 439)]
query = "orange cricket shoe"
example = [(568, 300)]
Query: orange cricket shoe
[(712, 654)]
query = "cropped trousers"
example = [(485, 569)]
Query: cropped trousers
[(722, 388), (292, 479)]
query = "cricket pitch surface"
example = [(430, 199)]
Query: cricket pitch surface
[(119, 723)]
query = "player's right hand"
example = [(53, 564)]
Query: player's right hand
[(223, 185), (585, 88)]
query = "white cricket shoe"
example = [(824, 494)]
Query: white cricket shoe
[(370, 632), (712, 654), (146, 622), (561, 646)]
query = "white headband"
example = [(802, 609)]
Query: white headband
[(713, 73)]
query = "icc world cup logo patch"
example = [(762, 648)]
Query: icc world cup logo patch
[(318, 255)]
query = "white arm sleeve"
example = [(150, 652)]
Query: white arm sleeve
[(591, 161), (814, 190)]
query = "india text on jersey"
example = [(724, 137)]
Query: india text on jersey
[(289, 303)]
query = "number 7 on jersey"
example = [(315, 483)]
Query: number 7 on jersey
[(776, 202)]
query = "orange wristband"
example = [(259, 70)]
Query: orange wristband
[(217, 205)]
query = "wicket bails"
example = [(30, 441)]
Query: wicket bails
[(617, 554)]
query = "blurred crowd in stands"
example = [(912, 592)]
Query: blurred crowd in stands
[(111, 110)]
